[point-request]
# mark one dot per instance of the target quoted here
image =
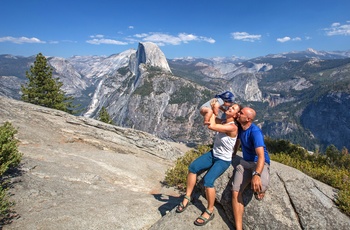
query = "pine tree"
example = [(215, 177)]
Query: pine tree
[(104, 116), (44, 90)]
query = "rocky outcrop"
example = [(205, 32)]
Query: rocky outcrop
[(327, 118), (147, 54), (293, 201), (79, 173), (72, 85), (246, 87)]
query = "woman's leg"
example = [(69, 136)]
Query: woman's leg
[(218, 168), (201, 163)]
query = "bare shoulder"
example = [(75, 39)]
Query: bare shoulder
[(233, 126)]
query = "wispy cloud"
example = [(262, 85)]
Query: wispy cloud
[(162, 39), (21, 40), (338, 29), (244, 36), (286, 39), (99, 39)]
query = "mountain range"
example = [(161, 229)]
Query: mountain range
[(299, 96)]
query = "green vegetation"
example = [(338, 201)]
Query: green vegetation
[(331, 167), (104, 116), (44, 90), (154, 71), (10, 157), (144, 90), (186, 93), (123, 70), (177, 175)]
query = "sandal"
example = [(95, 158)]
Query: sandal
[(182, 206), (205, 220)]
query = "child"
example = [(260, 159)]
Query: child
[(213, 106)]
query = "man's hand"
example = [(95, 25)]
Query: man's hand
[(256, 184), (256, 180)]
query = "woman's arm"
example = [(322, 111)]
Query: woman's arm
[(222, 128)]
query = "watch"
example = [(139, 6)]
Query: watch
[(256, 173)]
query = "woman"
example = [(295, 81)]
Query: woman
[(216, 161)]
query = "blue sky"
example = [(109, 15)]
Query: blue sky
[(196, 28)]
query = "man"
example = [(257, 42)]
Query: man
[(254, 168)]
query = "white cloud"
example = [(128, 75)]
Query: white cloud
[(244, 36), (162, 39), (131, 27), (287, 39), (21, 40), (97, 36), (187, 37), (141, 35), (210, 40), (99, 39), (338, 29), (96, 41)]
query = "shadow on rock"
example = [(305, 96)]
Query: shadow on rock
[(7, 181), (170, 203)]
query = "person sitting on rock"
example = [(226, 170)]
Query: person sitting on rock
[(213, 106), (216, 161), (254, 168)]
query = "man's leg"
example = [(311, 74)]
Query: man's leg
[(238, 209), (265, 179), (241, 179)]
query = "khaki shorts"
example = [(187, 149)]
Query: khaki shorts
[(243, 175)]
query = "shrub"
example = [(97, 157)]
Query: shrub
[(104, 116), (329, 168), (123, 70), (177, 176), (184, 94), (144, 90), (9, 157)]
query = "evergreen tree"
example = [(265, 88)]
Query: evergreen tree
[(44, 90), (104, 116)]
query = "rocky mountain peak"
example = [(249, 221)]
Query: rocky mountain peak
[(150, 54)]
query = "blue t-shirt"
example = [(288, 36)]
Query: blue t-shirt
[(250, 140)]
